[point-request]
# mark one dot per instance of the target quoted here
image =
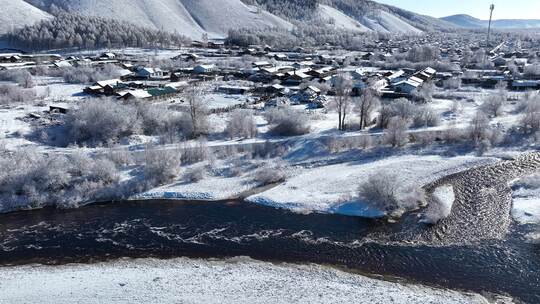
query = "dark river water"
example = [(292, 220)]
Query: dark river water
[(167, 229)]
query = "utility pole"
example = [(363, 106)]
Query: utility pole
[(491, 8)]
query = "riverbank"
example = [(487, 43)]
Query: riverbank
[(182, 280)]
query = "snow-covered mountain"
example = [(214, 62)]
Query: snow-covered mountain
[(17, 13), (466, 21), (188, 17), (384, 22), (193, 18)]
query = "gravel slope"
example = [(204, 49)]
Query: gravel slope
[(482, 209)]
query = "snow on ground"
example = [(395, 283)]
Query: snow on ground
[(183, 280), (230, 14), (340, 19), (526, 210), (186, 17), (333, 188), (388, 23), (526, 200), (220, 101), (445, 195), (211, 188)]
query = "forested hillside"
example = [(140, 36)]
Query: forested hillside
[(69, 30)]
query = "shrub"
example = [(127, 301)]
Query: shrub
[(365, 142), (31, 180), (493, 105), (195, 152), (194, 174), (13, 93), (396, 133), (241, 124), (20, 76), (99, 121), (452, 83), (161, 166), (479, 127), (531, 119), (269, 175), (380, 191), (426, 117), (90, 74), (285, 121)]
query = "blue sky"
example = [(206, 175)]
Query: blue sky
[(504, 9)]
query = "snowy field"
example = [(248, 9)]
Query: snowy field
[(333, 188), (183, 280), (526, 200)]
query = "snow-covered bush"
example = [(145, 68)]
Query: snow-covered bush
[(383, 192), (479, 127), (20, 76), (99, 121), (194, 174), (31, 180), (269, 174), (493, 104), (380, 191), (159, 120), (121, 157), (365, 142), (425, 116), (532, 69), (15, 94), (90, 74), (441, 205), (286, 121), (195, 152), (531, 116), (160, 165), (396, 132), (452, 83), (425, 92), (241, 124)]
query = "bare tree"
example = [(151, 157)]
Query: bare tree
[(479, 127), (493, 104), (531, 120), (197, 113), (342, 100), (365, 105)]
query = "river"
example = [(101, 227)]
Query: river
[(166, 229)]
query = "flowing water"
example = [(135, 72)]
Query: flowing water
[(196, 229)]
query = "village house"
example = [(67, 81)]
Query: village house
[(233, 90), (149, 73), (525, 85), (205, 69)]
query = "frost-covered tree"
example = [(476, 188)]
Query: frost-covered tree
[(197, 113), (396, 132), (342, 99), (72, 30), (241, 124), (365, 105), (100, 121)]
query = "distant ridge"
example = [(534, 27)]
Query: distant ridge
[(466, 21)]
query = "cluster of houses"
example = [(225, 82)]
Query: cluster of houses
[(300, 75)]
